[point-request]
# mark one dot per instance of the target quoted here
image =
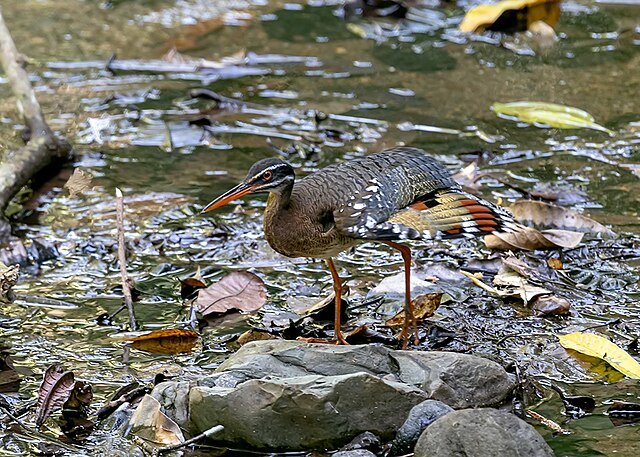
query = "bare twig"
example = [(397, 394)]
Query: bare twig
[(547, 422), (205, 434), (122, 260), (18, 167), (110, 407)]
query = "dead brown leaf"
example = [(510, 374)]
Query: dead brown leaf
[(151, 424), (254, 335), (423, 306), (189, 287), (9, 377), (57, 385), (530, 239), (240, 290), (166, 341), (8, 279), (547, 215), (550, 305), (555, 263), (78, 183)]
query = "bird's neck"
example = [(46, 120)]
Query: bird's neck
[(280, 200)]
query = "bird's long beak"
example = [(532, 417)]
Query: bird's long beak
[(240, 190)]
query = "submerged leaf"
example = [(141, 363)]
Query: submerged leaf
[(511, 15), (57, 385), (78, 183), (549, 114), (166, 341), (240, 290), (597, 346)]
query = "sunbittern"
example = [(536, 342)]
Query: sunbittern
[(397, 194)]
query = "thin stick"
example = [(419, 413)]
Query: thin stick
[(190, 441), (122, 260)]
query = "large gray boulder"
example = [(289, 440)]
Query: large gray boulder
[(308, 412), (481, 433), (289, 395), (459, 380)]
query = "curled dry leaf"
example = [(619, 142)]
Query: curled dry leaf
[(151, 424), (423, 306), (240, 290), (530, 239), (8, 279), (78, 183), (511, 15), (598, 346), (166, 341), (189, 287), (550, 305), (512, 284), (547, 215), (57, 385)]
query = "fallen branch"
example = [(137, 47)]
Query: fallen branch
[(122, 260), (18, 167), (205, 434)]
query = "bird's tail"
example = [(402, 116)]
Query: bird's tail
[(455, 214)]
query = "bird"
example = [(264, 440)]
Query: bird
[(391, 197)]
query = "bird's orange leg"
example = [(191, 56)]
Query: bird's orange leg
[(337, 288), (409, 318)]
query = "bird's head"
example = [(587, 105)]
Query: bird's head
[(266, 175)]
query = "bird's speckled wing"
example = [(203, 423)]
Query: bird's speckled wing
[(401, 193)]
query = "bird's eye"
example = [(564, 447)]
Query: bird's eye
[(267, 175)]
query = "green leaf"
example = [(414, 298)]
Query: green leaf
[(550, 114), (600, 347)]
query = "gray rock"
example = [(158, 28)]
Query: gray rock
[(481, 433), (460, 380), (354, 453), (174, 398), (420, 417), (309, 412)]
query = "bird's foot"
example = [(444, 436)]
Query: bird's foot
[(340, 340)]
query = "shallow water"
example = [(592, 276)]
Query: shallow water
[(135, 127)]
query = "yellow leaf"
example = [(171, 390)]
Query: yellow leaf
[(549, 114), (600, 347), (511, 15)]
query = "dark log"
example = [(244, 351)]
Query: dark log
[(42, 150)]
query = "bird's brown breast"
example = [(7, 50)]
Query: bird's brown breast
[(303, 229)]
